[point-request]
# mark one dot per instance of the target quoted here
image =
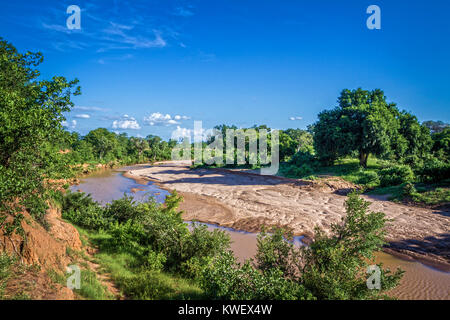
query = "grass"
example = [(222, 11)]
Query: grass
[(350, 170), (135, 282), (6, 264), (90, 286), (428, 194), (346, 168), (431, 197), (11, 269)]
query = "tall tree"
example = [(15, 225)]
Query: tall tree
[(31, 112), (363, 122)]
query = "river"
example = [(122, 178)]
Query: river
[(419, 281)]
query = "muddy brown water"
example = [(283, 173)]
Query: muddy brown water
[(419, 281)]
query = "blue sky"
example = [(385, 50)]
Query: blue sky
[(150, 67)]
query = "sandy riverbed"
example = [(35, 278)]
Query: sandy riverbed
[(246, 201)]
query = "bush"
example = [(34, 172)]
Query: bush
[(434, 170), (80, 209), (154, 234), (299, 172), (334, 265), (126, 237), (201, 245), (396, 175), (408, 190), (226, 279), (304, 156), (368, 178)]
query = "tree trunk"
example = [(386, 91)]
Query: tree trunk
[(363, 157)]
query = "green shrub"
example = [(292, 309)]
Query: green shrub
[(276, 251), (204, 243), (334, 266), (396, 175), (368, 178), (126, 237), (80, 209), (226, 279), (408, 190), (305, 156), (434, 170), (123, 209), (299, 172), (432, 197)]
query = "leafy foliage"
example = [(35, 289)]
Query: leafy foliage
[(31, 111), (365, 123), (332, 267), (396, 175)]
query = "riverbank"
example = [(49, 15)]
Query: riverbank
[(245, 201)]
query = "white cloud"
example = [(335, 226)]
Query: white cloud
[(125, 123), (180, 133), (183, 12), (84, 108), (178, 117), (70, 125), (82, 116), (295, 118), (118, 34), (159, 119), (196, 134)]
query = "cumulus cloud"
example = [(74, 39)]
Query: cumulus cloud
[(159, 119), (82, 116), (70, 125), (125, 123), (295, 118), (181, 133), (178, 117), (197, 134)]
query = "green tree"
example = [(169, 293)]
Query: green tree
[(103, 141), (365, 123), (441, 144), (31, 112), (334, 266)]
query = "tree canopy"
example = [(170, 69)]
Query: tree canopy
[(365, 123)]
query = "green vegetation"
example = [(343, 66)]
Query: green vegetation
[(364, 123), (34, 146), (151, 253), (6, 263), (364, 140), (146, 247), (103, 146), (404, 152), (367, 141), (332, 267)]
